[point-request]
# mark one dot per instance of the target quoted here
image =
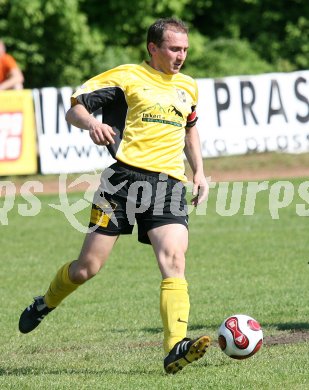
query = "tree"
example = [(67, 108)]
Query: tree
[(277, 31), (61, 43), (52, 41)]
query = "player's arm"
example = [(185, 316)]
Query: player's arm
[(194, 156), (100, 133)]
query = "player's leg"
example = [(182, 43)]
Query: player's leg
[(70, 276), (94, 253), (108, 217), (170, 243)]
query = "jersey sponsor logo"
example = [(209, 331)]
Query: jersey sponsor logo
[(170, 115), (176, 111)]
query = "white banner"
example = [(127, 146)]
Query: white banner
[(246, 114), (64, 148), (237, 115)]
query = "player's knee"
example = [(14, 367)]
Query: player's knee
[(85, 274), (173, 262), (80, 272), (178, 263)]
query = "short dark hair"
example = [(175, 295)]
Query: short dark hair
[(156, 30)]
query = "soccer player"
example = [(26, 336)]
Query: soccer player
[(11, 76), (149, 119)]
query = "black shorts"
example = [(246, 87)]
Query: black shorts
[(127, 195)]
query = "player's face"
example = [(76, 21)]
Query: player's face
[(170, 56)]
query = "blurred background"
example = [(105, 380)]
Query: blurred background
[(61, 43)]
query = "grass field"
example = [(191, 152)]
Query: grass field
[(107, 335)]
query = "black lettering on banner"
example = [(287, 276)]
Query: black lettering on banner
[(60, 111), (247, 106), (275, 111), (302, 98), (41, 111), (62, 152), (220, 146), (221, 106), (266, 139), (282, 142), (252, 145), (205, 150), (297, 142)]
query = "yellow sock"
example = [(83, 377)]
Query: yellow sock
[(60, 287), (174, 308)]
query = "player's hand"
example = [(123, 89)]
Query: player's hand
[(101, 133), (200, 189)]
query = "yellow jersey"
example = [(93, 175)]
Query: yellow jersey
[(149, 111)]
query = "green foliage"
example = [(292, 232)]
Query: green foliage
[(52, 41), (61, 43), (277, 31), (126, 22), (221, 57), (297, 42)]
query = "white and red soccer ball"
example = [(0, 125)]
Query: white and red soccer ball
[(240, 336)]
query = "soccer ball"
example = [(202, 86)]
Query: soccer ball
[(240, 336)]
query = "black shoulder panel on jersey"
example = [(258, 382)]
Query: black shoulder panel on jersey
[(114, 108)]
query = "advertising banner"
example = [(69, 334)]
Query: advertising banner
[(64, 148), (18, 152), (237, 115), (253, 114)]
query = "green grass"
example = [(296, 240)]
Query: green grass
[(107, 335), (258, 161)]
